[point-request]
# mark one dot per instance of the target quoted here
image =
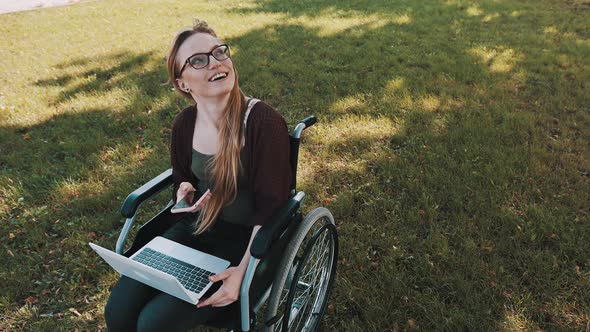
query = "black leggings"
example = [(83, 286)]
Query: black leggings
[(133, 306)]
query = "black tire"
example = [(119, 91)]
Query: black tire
[(305, 275)]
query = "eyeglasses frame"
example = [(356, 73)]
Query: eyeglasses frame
[(208, 54)]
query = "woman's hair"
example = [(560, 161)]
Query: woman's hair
[(225, 167)]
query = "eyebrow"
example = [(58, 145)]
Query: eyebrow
[(212, 48)]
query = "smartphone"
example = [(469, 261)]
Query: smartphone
[(184, 206)]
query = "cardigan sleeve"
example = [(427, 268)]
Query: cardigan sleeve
[(180, 145), (269, 169)]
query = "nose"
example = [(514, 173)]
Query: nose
[(212, 61)]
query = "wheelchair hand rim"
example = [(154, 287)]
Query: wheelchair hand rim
[(325, 275)]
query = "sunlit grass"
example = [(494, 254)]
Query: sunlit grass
[(497, 60), (452, 149)]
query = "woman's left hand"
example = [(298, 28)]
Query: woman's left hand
[(229, 291)]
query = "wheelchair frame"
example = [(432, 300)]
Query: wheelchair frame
[(282, 226)]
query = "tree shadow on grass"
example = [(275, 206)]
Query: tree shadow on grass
[(128, 70), (420, 208), (443, 190), (73, 171)]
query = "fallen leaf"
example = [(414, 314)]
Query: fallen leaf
[(330, 308), (45, 291), (10, 252), (75, 312), (26, 136), (413, 324), (31, 300), (11, 236), (422, 212)]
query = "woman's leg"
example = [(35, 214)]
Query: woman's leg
[(128, 296), (168, 313), (226, 240), (136, 306), (125, 303)]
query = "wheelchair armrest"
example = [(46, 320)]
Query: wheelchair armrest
[(144, 192), (273, 229)]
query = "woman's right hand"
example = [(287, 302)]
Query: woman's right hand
[(185, 191)]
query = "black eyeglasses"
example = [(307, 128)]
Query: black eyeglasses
[(201, 60)]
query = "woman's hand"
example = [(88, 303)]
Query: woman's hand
[(229, 291), (201, 202), (185, 191)]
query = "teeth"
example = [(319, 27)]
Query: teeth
[(216, 76)]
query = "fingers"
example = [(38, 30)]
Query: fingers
[(221, 276), (221, 298), (227, 294), (212, 299), (185, 189), (186, 186)]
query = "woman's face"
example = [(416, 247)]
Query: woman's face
[(214, 80)]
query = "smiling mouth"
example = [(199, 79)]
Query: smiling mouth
[(217, 77)]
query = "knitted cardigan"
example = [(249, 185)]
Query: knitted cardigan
[(266, 160)]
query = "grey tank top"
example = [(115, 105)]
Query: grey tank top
[(241, 210)]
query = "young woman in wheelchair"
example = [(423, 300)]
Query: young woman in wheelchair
[(233, 145)]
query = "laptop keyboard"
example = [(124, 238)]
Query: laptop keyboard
[(190, 276)]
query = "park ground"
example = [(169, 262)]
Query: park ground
[(452, 148)]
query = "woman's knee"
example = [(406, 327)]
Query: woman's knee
[(167, 313), (125, 303), (150, 320), (117, 318)]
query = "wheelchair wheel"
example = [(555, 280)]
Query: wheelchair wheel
[(305, 275)]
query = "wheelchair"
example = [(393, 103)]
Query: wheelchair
[(293, 264)]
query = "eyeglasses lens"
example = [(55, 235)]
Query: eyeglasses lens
[(201, 60), (221, 53)]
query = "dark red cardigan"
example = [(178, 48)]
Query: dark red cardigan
[(266, 157)]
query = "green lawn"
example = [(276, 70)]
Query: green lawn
[(452, 148)]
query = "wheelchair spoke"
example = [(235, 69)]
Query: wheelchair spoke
[(311, 287), (301, 300), (317, 252), (308, 298), (318, 262)]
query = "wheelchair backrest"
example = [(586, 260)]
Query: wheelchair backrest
[(293, 158), (294, 141)]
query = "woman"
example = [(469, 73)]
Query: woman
[(235, 146)]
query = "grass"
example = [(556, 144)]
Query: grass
[(452, 149)]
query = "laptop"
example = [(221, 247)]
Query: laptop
[(169, 266)]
